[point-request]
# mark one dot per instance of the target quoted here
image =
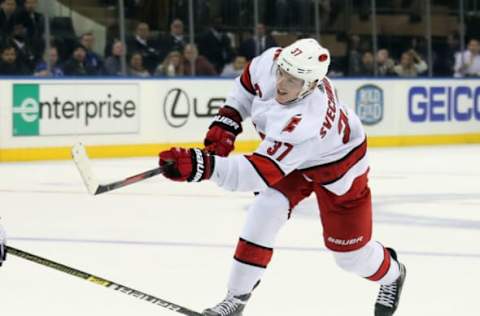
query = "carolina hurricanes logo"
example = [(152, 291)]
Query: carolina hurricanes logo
[(292, 124)]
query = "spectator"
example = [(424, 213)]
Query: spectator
[(142, 43), (35, 22), (328, 13), (354, 56), (445, 63), (411, 65), (173, 41), (130, 6), (9, 65), (257, 44), (202, 66), (337, 67), (367, 67), (41, 70), (235, 68), (92, 59), (172, 66), (419, 45), (384, 63), (113, 63), (26, 52), (467, 63), (215, 45), (7, 15), (136, 68), (76, 64)]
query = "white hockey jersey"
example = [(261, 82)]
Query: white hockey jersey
[(316, 135)]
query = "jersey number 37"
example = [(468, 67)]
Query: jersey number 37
[(285, 149)]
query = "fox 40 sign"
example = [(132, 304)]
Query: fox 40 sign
[(75, 109)]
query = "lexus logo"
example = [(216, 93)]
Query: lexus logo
[(176, 107)]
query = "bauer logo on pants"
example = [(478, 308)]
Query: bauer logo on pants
[(75, 108), (369, 104)]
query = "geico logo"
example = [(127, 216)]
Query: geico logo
[(30, 110), (439, 104)]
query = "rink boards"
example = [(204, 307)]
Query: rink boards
[(41, 119)]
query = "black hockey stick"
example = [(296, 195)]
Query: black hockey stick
[(101, 281), (118, 184), (83, 164)]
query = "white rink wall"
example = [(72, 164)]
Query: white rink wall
[(42, 118)]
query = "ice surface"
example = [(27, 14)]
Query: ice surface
[(176, 240)]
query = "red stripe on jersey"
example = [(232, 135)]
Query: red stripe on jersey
[(384, 267), (266, 168), (246, 80), (277, 53), (262, 135), (252, 254), (333, 171)]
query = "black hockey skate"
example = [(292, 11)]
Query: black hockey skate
[(230, 306), (389, 295)]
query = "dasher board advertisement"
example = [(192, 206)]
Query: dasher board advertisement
[(45, 109)]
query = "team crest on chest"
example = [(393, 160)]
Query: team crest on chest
[(292, 124)]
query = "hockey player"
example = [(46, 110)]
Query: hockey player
[(3, 241), (311, 143)]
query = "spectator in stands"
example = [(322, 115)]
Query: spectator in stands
[(467, 63), (41, 70), (419, 45), (411, 65), (27, 53), (130, 6), (113, 63), (173, 41), (384, 63), (328, 12), (92, 59), (202, 66), (7, 15), (416, 9), (367, 67), (35, 22), (234, 68), (135, 66), (258, 43), (9, 64), (76, 64), (215, 45), (354, 56), (142, 43), (445, 62), (336, 68), (172, 65)]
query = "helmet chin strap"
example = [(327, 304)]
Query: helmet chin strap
[(301, 95), (307, 89)]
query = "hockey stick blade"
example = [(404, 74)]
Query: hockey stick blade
[(83, 164), (101, 281), (80, 157)]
